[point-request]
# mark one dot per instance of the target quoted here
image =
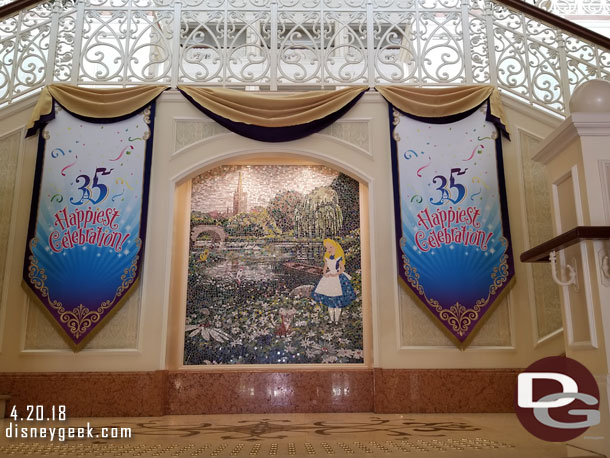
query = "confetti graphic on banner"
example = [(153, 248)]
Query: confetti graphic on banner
[(121, 153), (453, 237), (85, 241)]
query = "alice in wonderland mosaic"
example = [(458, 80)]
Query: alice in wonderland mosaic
[(274, 267)]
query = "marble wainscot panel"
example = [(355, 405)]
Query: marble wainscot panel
[(88, 394), (99, 394), (445, 390), (270, 392)]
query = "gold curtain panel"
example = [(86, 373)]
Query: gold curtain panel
[(440, 102), (94, 103), (270, 110)]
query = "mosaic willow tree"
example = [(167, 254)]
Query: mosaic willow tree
[(319, 215)]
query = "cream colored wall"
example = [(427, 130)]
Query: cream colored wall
[(28, 341), (147, 334), (539, 229), (577, 162), (526, 325), (580, 150), (10, 146)]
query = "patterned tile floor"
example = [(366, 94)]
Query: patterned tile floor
[(296, 435)]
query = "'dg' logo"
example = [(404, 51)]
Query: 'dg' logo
[(557, 399)]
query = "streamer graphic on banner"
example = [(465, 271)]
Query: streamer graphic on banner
[(85, 243), (453, 237)]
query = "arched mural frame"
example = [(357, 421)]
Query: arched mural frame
[(229, 148)]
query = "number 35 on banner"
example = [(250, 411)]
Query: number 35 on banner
[(448, 216), (88, 220)]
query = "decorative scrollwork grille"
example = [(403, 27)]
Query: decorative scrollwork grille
[(296, 44)]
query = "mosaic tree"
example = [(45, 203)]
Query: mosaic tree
[(319, 215), (348, 192), (257, 223), (283, 207)]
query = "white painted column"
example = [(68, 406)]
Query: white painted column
[(577, 160)]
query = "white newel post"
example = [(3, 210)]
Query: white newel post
[(577, 161)]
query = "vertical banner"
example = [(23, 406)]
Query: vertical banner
[(88, 218), (452, 230)]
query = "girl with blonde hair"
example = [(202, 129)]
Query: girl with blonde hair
[(334, 289)]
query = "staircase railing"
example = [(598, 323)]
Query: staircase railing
[(298, 44), (573, 7)]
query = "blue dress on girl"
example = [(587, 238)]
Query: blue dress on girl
[(334, 291)]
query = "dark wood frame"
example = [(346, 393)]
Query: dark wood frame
[(15, 7)]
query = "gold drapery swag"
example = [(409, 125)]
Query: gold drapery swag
[(270, 110), (266, 110), (93, 102), (441, 102)]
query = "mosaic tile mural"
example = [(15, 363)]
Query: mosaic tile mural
[(274, 267)]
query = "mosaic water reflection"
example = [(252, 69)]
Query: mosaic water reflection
[(272, 261)]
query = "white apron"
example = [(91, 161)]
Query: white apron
[(330, 286)]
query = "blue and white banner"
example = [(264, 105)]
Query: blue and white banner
[(453, 237), (88, 218)]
